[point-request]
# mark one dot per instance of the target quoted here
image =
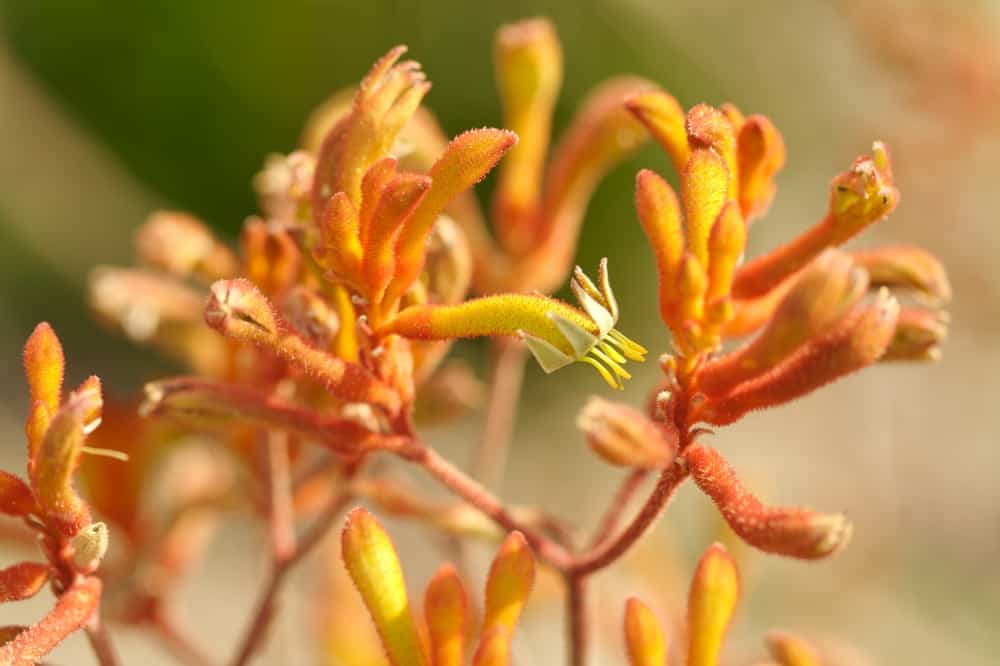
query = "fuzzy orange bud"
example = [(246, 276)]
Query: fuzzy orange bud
[(44, 365), (859, 339), (760, 155), (644, 639), (446, 607), (793, 532), (398, 200), (339, 250), (15, 496), (272, 259), (624, 436), (665, 120), (708, 127), (660, 215), (715, 589), (508, 585), (529, 67), (704, 190)]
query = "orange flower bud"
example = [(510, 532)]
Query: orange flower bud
[(626, 437), (665, 120), (339, 250), (529, 68), (715, 589), (789, 650), (644, 639), (398, 200), (508, 585), (704, 190), (373, 564), (793, 532), (493, 649), (272, 258), (906, 267), (44, 365), (385, 101), (726, 244), (760, 155), (182, 245), (71, 612), (919, 335), (446, 608), (708, 127), (465, 162), (22, 581), (660, 215), (823, 294), (857, 340)]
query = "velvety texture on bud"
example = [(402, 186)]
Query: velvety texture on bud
[(89, 546), (22, 581), (644, 640), (906, 267), (626, 437), (918, 337), (715, 589), (793, 532), (446, 610)]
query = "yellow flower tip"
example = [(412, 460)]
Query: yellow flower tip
[(704, 191), (644, 639), (446, 608), (790, 650), (44, 365), (508, 584), (371, 561), (715, 590)]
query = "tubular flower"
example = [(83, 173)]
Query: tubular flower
[(373, 565), (556, 333), (714, 592)]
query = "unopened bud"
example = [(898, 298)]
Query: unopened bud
[(715, 589), (182, 245), (760, 154), (284, 184), (906, 267), (665, 120), (793, 532), (237, 309), (626, 437), (919, 335), (89, 546), (862, 195), (272, 258)]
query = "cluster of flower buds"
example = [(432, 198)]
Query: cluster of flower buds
[(811, 312), (48, 503), (373, 565), (714, 592)]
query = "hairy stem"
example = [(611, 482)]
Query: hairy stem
[(506, 377), (609, 551)]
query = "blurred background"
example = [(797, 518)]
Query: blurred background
[(110, 110)]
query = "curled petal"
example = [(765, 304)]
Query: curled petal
[(529, 67), (238, 310), (22, 581), (466, 161), (446, 607), (644, 640), (793, 532), (715, 589), (372, 562), (856, 341), (339, 250), (71, 612), (399, 199), (665, 120)]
